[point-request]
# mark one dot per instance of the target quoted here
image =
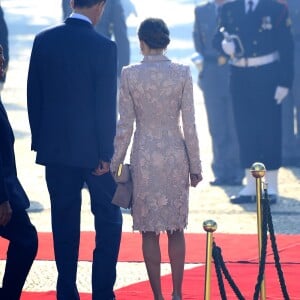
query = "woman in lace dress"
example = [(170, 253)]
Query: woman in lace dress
[(156, 95)]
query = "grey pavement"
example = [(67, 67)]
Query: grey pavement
[(25, 19)]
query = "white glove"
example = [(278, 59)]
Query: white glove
[(280, 93), (228, 47)]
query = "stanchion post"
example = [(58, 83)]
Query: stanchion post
[(209, 226), (258, 170)]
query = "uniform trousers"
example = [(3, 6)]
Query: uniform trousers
[(291, 118), (214, 84), (65, 184), (22, 249), (257, 116)]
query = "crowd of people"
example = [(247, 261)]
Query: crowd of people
[(251, 47)]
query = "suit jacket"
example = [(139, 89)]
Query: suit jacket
[(10, 187), (267, 31), (71, 95)]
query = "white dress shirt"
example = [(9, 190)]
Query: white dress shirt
[(80, 16)]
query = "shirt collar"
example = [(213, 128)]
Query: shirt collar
[(80, 16)]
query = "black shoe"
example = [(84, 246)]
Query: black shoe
[(222, 182), (242, 199)]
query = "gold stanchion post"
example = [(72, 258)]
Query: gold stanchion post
[(258, 171), (209, 226)]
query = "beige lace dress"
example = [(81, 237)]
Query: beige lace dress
[(156, 97)]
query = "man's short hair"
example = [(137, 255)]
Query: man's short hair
[(86, 3)]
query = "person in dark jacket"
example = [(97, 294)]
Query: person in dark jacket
[(72, 116), (15, 225), (256, 35)]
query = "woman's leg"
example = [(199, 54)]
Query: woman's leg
[(152, 257), (176, 248)]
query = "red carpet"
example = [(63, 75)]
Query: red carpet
[(235, 247), (244, 275), (238, 250)]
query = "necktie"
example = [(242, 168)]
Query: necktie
[(250, 7)]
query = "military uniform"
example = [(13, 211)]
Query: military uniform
[(291, 106), (225, 165), (263, 62)]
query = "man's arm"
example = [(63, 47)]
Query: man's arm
[(34, 96), (197, 32), (106, 93)]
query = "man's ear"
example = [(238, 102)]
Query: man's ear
[(102, 4), (101, 7)]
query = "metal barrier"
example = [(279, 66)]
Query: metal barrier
[(264, 223)]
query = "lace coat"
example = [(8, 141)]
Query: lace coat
[(156, 98)]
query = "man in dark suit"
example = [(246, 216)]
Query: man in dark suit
[(71, 94), (112, 25), (15, 224), (256, 34), (218, 103)]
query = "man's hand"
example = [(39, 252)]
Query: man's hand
[(228, 47), (102, 168), (195, 179), (280, 93), (5, 213)]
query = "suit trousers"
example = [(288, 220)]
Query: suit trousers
[(64, 185), (22, 249)]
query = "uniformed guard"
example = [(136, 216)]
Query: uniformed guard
[(214, 71), (256, 34), (291, 106)]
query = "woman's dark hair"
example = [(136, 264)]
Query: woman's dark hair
[(155, 33), (86, 3)]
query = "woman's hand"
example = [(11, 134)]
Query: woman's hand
[(195, 179)]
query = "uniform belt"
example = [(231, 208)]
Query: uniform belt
[(255, 61)]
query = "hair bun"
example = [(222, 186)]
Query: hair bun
[(155, 33)]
